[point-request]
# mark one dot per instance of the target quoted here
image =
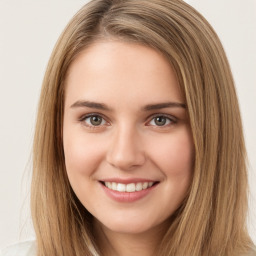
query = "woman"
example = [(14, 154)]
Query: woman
[(138, 147)]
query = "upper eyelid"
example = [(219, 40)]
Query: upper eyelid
[(83, 117), (164, 115)]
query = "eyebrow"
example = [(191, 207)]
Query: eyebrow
[(101, 106), (164, 105), (90, 104)]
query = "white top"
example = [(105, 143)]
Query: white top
[(27, 248)]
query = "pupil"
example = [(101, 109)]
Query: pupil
[(161, 120), (96, 120)]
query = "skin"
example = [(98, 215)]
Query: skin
[(128, 142)]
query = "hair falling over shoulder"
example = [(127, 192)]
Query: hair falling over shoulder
[(212, 219)]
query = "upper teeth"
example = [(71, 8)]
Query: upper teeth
[(131, 187)]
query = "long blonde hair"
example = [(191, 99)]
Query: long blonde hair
[(212, 219)]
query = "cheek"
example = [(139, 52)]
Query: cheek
[(176, 161), (175, 155), (82, 154)]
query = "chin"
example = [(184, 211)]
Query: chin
[(131, 225)]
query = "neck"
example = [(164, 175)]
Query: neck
[(113, 243)]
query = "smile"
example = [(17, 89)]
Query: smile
[(127, 191), (131, 187)]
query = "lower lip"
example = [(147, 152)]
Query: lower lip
[(127, 197)]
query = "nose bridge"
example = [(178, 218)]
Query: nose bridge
[(126, 150)]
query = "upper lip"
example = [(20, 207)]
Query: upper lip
[(128, 181)]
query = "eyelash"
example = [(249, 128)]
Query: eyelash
[(172, 120), (83, 118)]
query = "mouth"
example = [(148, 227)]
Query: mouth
[(129, 187)]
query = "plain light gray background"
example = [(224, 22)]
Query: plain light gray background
[(28, 32)]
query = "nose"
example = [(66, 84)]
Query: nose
[(126, 150)]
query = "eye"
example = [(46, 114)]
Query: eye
[(161, 120), (93, 120)]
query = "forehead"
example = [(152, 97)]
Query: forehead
[(111, 70)]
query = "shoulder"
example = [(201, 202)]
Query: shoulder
[(27, 248)]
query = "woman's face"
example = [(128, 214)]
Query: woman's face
[(127, 140)]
